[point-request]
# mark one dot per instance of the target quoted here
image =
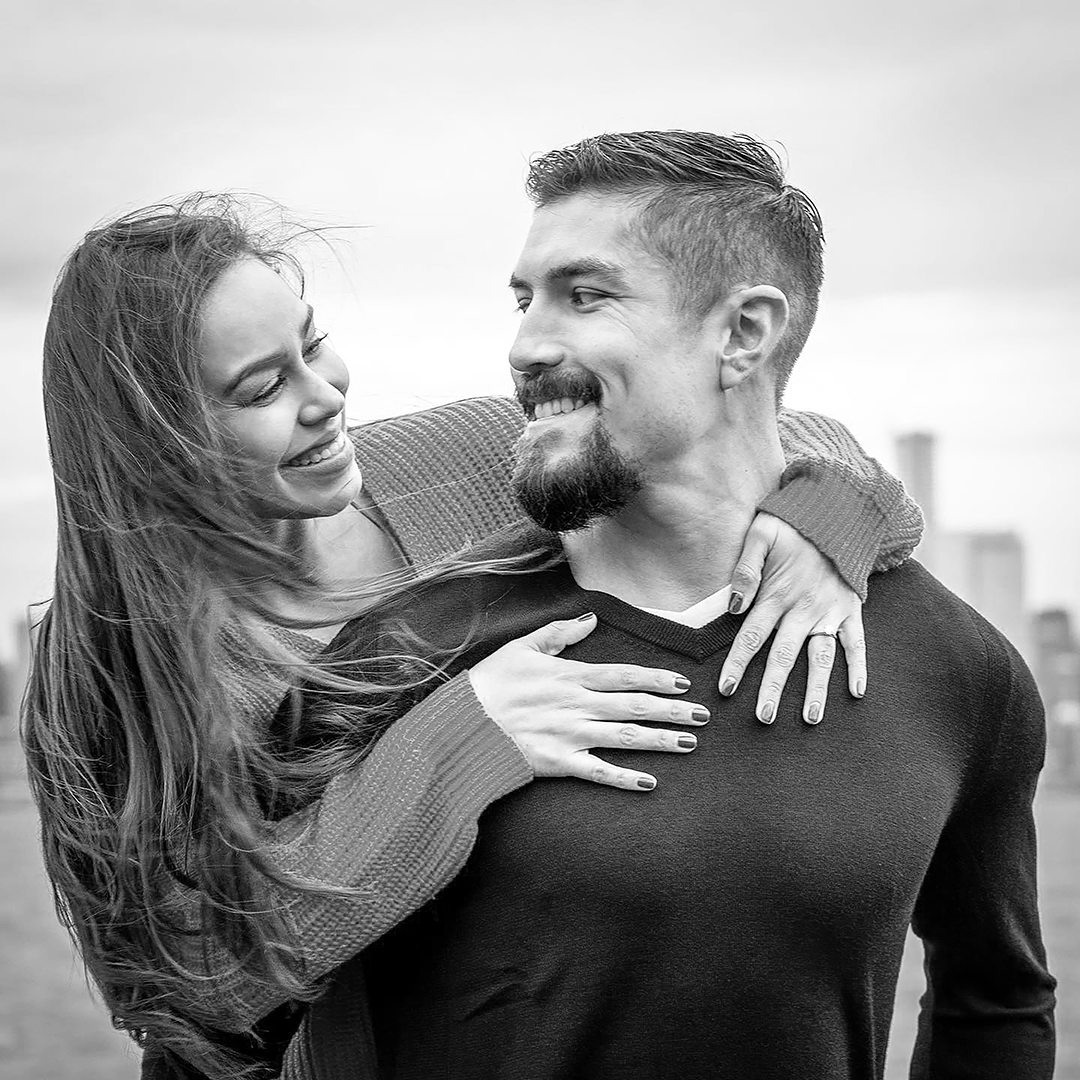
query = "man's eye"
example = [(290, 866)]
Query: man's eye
[(584, 297), (523, 302)]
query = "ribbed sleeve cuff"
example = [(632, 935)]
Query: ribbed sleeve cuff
[(842, 522)]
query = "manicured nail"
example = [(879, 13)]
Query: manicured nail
[(682, 682), (734, 603), (700, 715), (728, 687), (813, 714), (767, 712), (860, 687), (586, 617), (646, 783), (687, 742)]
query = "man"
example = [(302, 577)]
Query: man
[(748, 920)]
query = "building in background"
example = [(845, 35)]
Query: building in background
[(987, 570), (1057, 671), (915, 461)]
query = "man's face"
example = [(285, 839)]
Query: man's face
[(617, 382)]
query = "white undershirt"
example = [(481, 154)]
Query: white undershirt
[(700, 614)]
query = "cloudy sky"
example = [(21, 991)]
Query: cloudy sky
[(938, 139)]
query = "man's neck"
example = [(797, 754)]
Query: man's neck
[(679, 538)]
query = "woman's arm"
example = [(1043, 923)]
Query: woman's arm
[(441, 478), (842, 500)]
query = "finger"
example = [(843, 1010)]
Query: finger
[(644, 708), (820, 654), (553, 637), (785, 651), (635, 737), (853, 640), (753, 633), (747, 575), (585, 766), (609, 677)]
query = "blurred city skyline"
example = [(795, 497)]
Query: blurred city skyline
[(935, 139)]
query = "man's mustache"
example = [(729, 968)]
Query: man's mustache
[(532, 390)]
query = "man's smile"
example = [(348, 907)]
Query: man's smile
[(544, 410)]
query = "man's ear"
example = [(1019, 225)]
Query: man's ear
[(755, 318)]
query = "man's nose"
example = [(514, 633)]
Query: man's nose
[(537, 345)]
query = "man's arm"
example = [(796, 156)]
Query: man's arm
[(988, 1010)]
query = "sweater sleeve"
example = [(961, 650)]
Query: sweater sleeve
[(842, 500), (392, 831), (988, 1010)]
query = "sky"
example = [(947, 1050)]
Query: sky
[(937, 139)]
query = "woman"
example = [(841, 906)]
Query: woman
[(213, 532)]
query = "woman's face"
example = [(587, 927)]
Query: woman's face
[(280, 391)]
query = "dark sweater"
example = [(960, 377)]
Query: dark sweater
[(747, 918)]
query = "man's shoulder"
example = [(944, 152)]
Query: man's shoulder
[(908, 608)]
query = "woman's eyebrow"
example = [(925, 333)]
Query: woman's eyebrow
[(271, 359)]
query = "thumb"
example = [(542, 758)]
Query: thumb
[(555, 636), (747, 574)]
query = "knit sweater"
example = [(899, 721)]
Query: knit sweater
[(401, 825), (748, 918)]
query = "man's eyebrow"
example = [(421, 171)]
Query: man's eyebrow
[(271, 360), (585, 267)]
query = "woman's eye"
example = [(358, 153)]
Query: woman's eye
[(312, 347), (267, 392)]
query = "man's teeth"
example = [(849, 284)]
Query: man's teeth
[(314, 457), (562, 405)]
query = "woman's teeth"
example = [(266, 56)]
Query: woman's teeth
[(561, 405), (315, 456)]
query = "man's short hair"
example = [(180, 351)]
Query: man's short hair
[(714, 208)]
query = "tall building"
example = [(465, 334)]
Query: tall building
[(987, 570), (915, 460), (984, 568), (1057, 671)]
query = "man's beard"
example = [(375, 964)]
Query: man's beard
[(596, 482)]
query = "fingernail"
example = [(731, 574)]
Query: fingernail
[(734, 603), (687, 742), (728, 687), (682, 682), (700, 715), (586, 617), (813, 714), (860, 687), (767, 712), (646, 783)]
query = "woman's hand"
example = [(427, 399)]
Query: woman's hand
[(804, 599), (556, 710)]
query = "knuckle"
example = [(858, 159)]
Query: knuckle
[(638, 707), (628, 735), (750, 639), (599, 773), (625, 677), (783, 654), (746, 572)]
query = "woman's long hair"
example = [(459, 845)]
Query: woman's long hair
[(145, 768)]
